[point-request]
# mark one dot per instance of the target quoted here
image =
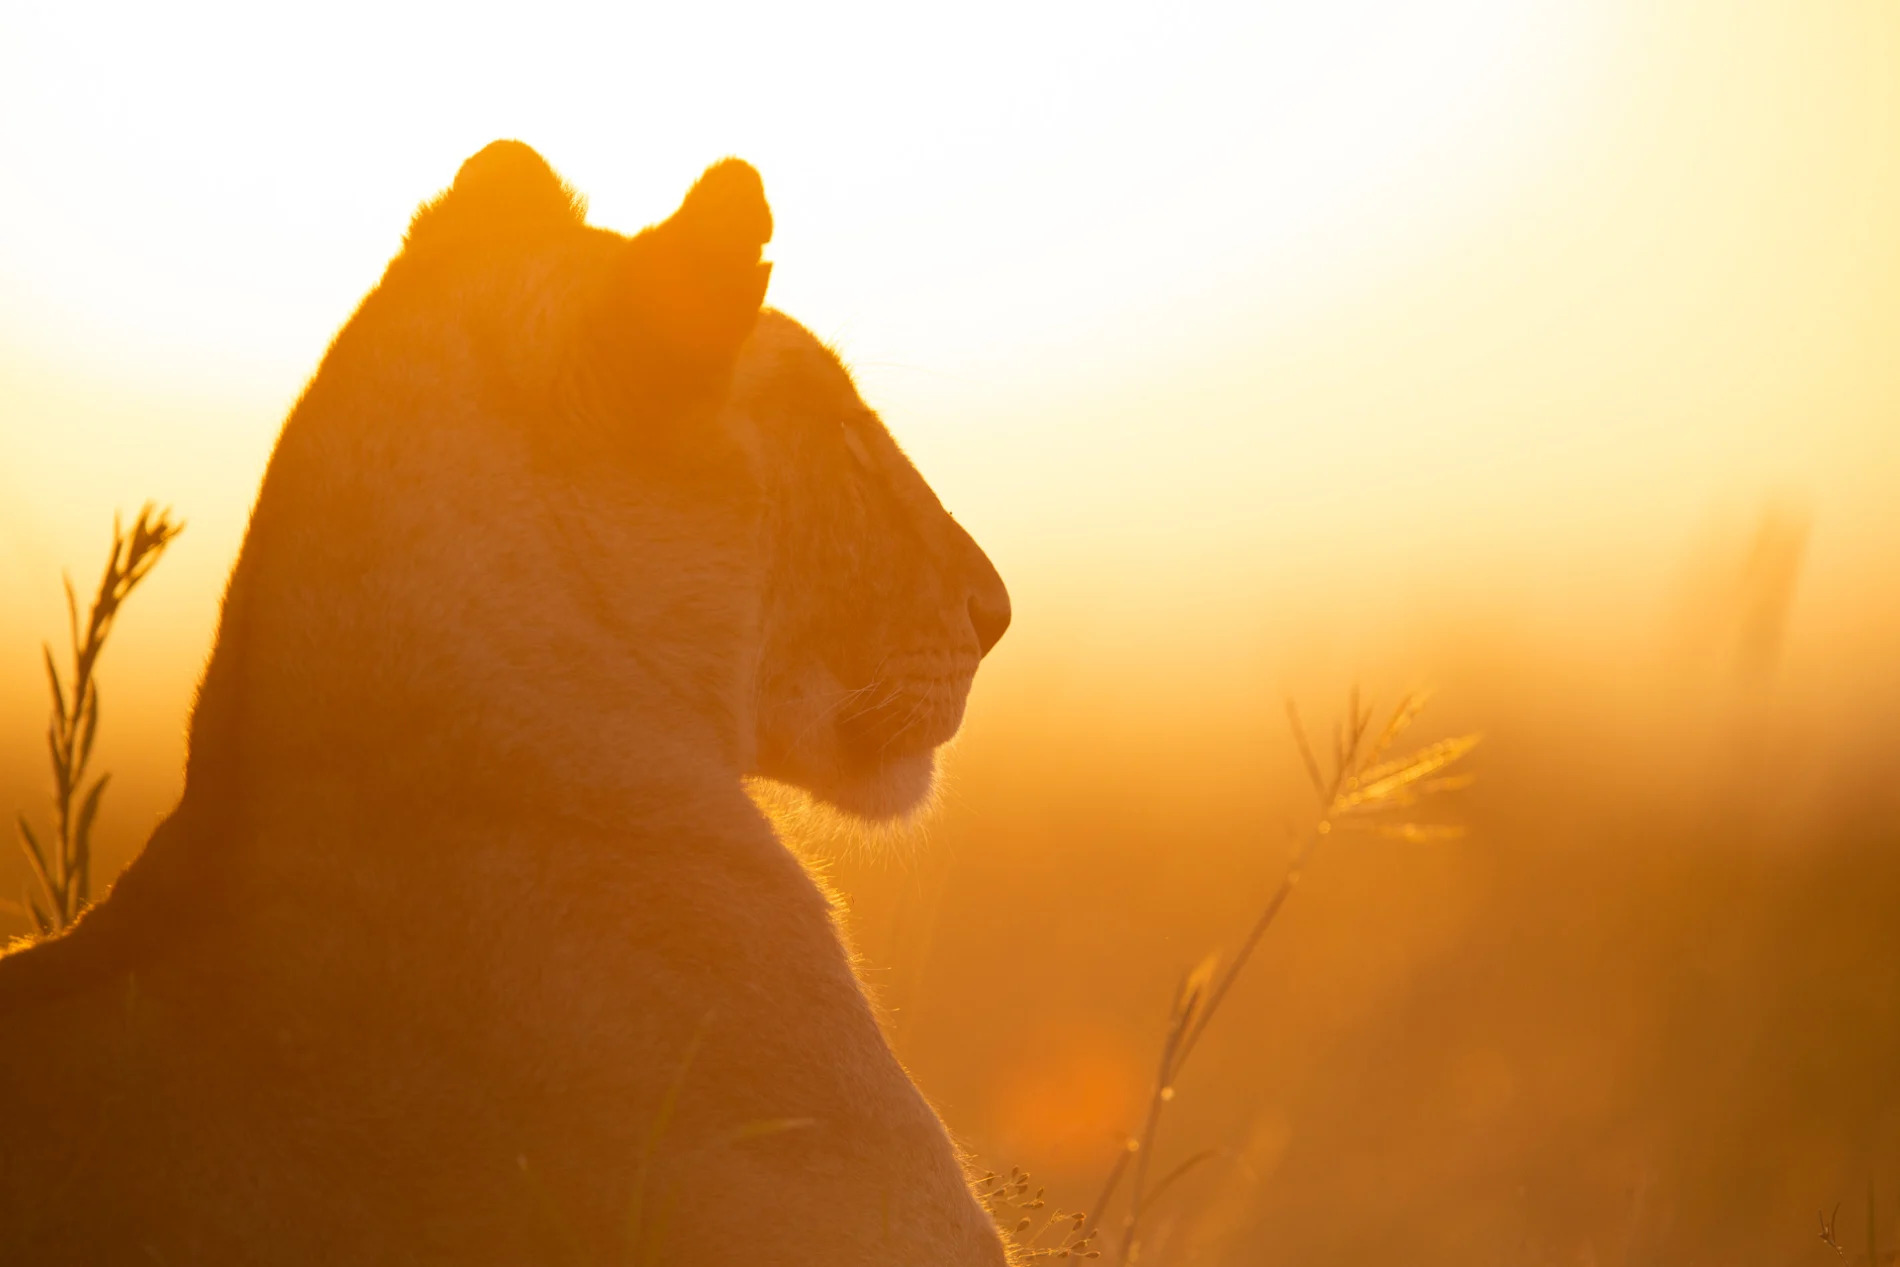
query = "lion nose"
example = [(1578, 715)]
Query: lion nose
[(987, 600), (989, 614)]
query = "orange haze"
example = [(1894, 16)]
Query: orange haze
[(1545, 352)]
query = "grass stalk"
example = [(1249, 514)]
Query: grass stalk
[(61, 867), (1362, 790)]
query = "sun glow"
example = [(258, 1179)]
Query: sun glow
[(1000, 211), (1542, 350), (1188, 314), (211, 189)]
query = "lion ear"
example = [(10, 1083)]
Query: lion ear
[(504, 189), (725, 214), (687, 291)]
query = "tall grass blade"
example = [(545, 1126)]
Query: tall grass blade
[(30, 844), (1363, 785), (662, 1119), (72, 609), (1180, 1172), (63, 871), (56, 753), (42, 923), (88, 728), (1306, 750), (81, 888), (1383, 782), (52, 680), (1410, 705)]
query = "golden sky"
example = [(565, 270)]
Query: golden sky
[(1259, 324)]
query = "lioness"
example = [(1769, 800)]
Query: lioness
[(465, 943)]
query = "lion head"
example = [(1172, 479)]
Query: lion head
[(717, 510), (878, 604)]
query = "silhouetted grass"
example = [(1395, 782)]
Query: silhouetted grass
[(61, 869), (1364, 791), (1035, 1230)]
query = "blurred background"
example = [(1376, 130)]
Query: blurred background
[(1543, 353)]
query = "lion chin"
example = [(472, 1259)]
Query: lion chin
[(879, 762), (872, 782), (885, 789)]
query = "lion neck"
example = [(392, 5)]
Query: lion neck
[(414, 625)]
